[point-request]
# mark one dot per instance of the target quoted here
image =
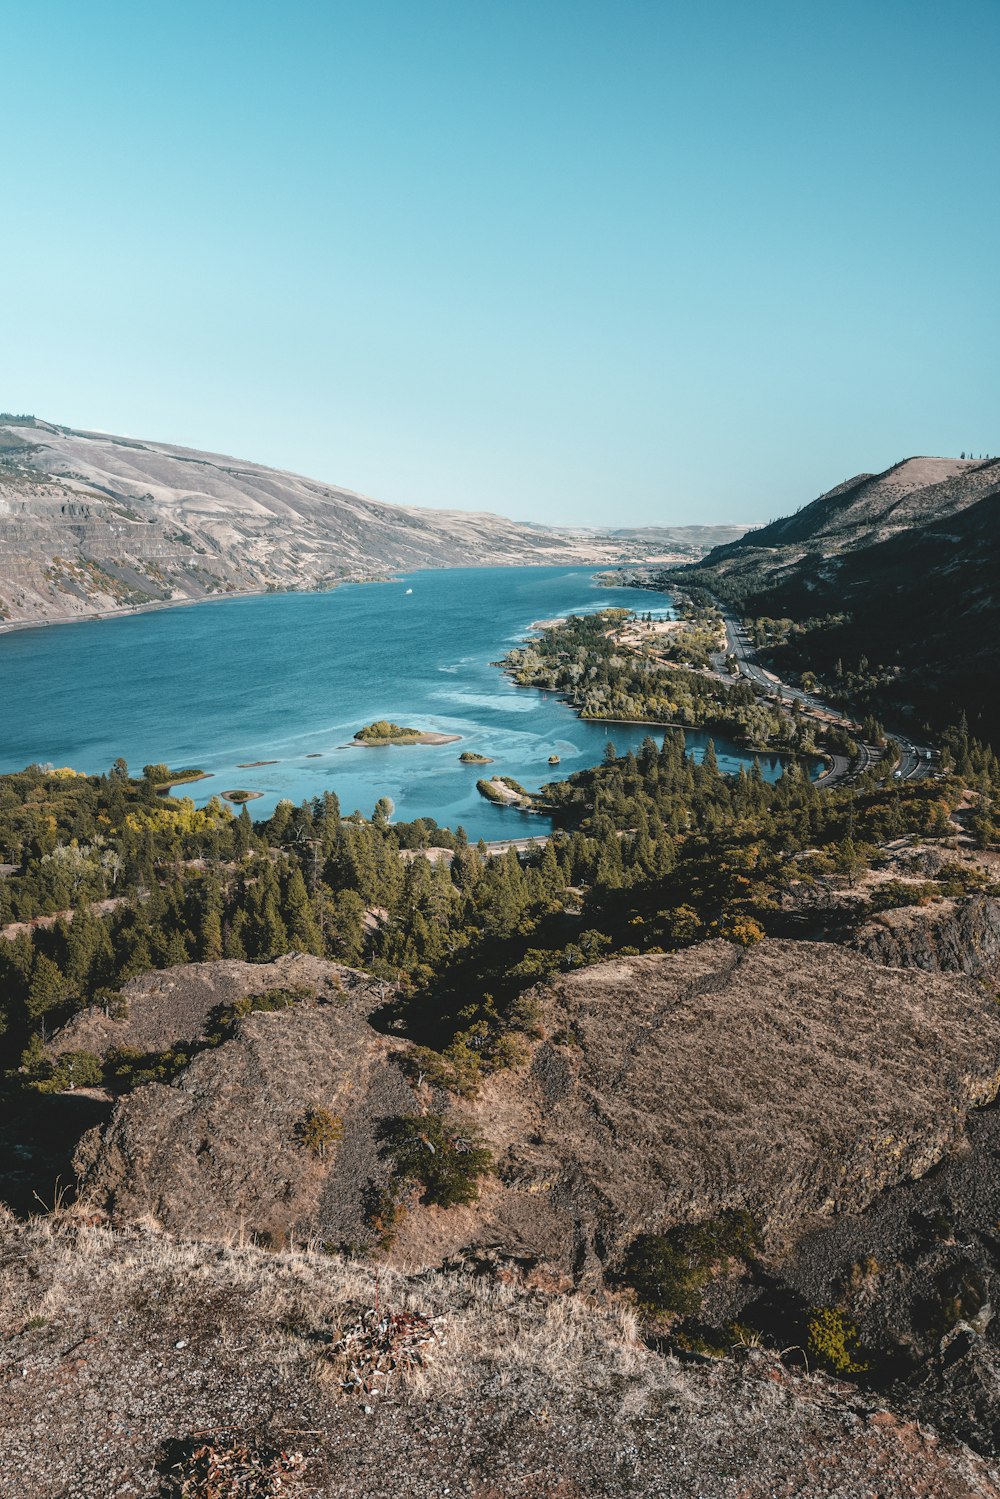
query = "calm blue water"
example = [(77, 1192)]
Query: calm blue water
[(288, 675)]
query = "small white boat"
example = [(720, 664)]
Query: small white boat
[(409, 590)]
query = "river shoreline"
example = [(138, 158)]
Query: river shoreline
[(290, 678), (157, 606)]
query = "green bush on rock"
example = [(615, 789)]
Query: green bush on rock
[(427, 1149), (669, 1272)]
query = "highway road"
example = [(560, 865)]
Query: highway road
[(914, 759), (520, 845)]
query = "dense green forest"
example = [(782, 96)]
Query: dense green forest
[(652, 851), (585, 660)]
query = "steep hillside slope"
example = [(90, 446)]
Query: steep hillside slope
[(872, 507), (91, 522), (900, 571)]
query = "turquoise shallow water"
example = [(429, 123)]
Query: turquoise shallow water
[(286, 676)]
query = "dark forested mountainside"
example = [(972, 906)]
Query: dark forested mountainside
[(892, 583), (872, 507)]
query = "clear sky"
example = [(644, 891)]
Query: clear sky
[(572, 260)]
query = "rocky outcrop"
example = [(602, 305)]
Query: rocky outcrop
[(160, 1010), (916, 1274), (149, 1347), (221, 1149), (790, 1080), (955, 936), (793, 1080)]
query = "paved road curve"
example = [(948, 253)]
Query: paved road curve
[(914, 760)]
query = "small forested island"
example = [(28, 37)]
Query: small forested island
[(505, 792), (164, 779), (382, 731), (239, 796), (470, 757)]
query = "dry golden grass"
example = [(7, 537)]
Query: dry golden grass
[(123, 1350), (298, 1302)]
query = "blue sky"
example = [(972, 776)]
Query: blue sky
[(615, 262)]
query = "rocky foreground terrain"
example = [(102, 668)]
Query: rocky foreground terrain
[(92, 523), (252, 1302), (133, 1364)]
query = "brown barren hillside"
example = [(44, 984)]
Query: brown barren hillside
[(92, 523), (791, 1080)]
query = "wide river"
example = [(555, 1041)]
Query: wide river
[(290, 677)]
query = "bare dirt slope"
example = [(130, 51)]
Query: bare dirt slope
[(90, 522), (872, 507), (793, 1080), (171, 1005), (123, 1352)]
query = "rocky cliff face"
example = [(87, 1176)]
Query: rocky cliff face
[(843, 1102), (915, 1273), (957, 936), (222, 1146), (792, 1080), (171, 1005)]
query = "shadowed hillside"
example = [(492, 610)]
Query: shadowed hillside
[(896, 574)]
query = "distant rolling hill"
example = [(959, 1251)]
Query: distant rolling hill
[(92, 523), (898, 571)]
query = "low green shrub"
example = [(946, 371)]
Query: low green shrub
[(70, 1069), (428, 1150), (126, 1067), (318, 1129), (669, 1272)]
